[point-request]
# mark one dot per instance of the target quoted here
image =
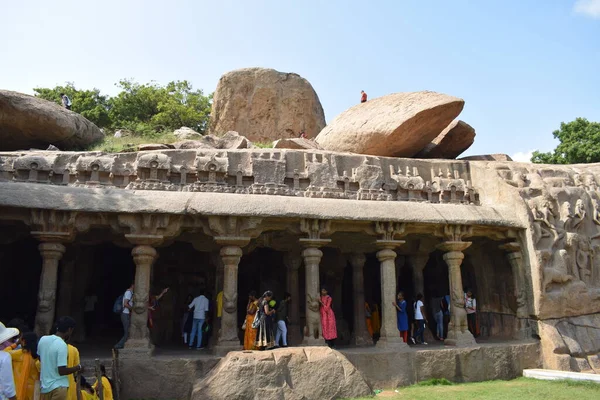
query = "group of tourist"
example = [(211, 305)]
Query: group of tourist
[(44, 368), (266, 324), (440, 309)]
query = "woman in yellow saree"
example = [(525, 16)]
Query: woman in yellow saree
[(26, 366), (72, 360), (250, 332), (106, 385)]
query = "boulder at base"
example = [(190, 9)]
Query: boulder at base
[(395, 125), (185, 133), (452, 142), (27, 121), (290, 373), (265, 105), (296, 144)]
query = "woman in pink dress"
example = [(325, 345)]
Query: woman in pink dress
[(327, 319)]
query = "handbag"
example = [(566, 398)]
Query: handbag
[(256, 322)]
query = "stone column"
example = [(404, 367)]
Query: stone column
[(67, 286), (292, 262), (312, 258), (51, 253), (458, 332), (360, 334), (515, 259), (139, 337), (418, 263), (231, 254), (389, 329)]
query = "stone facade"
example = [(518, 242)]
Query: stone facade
[(315, 205)]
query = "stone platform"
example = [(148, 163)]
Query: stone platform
[(173, 373)]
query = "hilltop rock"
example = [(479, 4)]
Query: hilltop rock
[(396, 125), (488, 157), (265, 105), (452, 142), (231, 140), (185, 133), (296, 144), (27, 121), (291, 373)]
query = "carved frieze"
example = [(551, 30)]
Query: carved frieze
[(265, 172)]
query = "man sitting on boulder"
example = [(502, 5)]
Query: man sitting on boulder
[(66, 102), (363, 96)]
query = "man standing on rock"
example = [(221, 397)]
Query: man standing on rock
[(66, 101), (363, 96)]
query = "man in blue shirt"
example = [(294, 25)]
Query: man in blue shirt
[(53, 357)]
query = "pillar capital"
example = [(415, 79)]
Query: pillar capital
[(312, 255), (386, 254), (292, 260), (51, 250), (230, 251), (314, 243), (232, 241), (453, 246), (357, 260)]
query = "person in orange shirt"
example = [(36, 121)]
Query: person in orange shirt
[(363, 96)]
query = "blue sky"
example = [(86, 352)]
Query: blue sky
[(522, 66)]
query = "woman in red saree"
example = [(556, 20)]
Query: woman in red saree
[(327, 319)]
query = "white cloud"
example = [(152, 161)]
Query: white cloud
[(591, 8), (522, 156)]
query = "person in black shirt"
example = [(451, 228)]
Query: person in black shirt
[(281, 317)]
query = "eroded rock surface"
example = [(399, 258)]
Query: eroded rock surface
[(27, 121), (396, 125), (488, 157), (231, 140), (265, 105), (186, 133), (452, 142), (292, 373), (296, 144)]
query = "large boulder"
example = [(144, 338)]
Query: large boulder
[(452, 142), (27, 121), (265, 105), (231, 140), (290, 373), (185, 133), (296, 144), (395, 125)]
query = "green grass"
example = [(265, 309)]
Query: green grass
[(111, 144), (518, 389)]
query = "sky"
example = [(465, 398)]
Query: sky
[(522, 66)]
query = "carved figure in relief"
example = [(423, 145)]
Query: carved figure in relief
[(46, 300), (230, 305), (544, 217), (313, 320), (557, 272)]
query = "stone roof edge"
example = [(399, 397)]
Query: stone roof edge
[(36, 196)]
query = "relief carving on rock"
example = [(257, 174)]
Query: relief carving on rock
[(564, 213)]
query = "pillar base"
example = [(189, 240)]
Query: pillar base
[(460, 339), (311, 341), (136, 348), (390, 343), (222, 348), (362, 340)]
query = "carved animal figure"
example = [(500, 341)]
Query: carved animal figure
[(313, 320)]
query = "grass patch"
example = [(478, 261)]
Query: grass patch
[(517, 389), (261, 145)]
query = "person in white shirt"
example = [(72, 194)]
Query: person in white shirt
[(200, 307), (66, 101), (471, 308), (126, 315), (420, 320), (7, 382)]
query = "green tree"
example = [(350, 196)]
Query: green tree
[(89, 103), (579, 143), (148, 108)]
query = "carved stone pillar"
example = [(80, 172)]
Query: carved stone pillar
[(312, 258), (144, 256), (458, 332), (515, 259), (360, 334), (51, 253), (418, 263), (389, 328), (231, 254), (67, 287), (292, 262)]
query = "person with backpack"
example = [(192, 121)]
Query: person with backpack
[(126, 305)]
